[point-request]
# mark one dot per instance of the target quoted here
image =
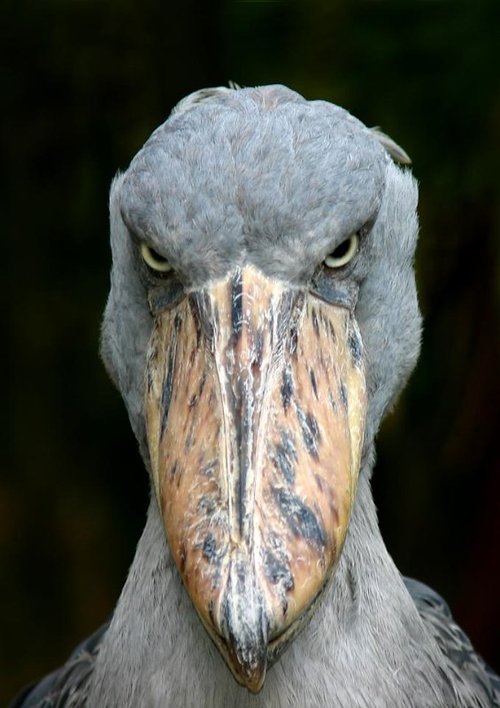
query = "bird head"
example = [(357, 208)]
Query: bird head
[(261, 319)]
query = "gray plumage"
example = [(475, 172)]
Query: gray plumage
[(263, 176)]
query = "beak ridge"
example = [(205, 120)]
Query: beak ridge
[(244, 626), (255, 412)]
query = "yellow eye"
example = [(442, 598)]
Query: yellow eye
[(344, 252), (154, 260)]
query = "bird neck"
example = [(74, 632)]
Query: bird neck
[(366, 638)]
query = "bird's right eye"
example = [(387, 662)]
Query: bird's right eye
[(154, 260), (344, 252)]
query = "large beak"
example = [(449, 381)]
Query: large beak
[(255, 412)]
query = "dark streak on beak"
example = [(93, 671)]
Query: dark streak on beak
[(254, 460)]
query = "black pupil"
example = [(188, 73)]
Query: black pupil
[(342, 248), (156, 256)]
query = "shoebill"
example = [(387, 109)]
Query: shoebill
[(262, 319)]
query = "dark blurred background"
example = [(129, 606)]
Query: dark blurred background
[(83, 83)]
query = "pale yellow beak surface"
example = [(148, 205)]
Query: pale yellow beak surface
[(255, 411)]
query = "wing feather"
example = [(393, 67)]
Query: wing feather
[(468, 666)]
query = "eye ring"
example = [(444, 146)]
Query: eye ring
[(344, 252), (154, 260)]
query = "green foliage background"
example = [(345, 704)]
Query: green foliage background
[(83, 83)]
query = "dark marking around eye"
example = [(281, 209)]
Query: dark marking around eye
[(300, 518), (167, 296)]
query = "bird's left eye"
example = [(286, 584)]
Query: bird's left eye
[(154, 260), (344, 252)]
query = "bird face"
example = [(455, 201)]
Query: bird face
[(243, 233)]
